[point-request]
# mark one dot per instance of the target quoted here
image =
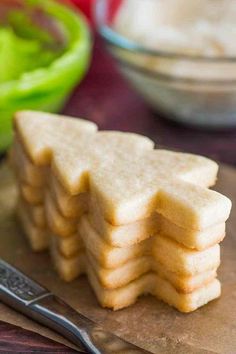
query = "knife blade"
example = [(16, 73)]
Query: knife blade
[(33, 300)]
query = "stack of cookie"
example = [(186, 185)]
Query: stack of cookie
[(135, 219)]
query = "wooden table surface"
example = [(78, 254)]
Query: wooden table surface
[(107, 99)]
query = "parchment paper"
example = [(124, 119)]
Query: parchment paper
[(149, 323)]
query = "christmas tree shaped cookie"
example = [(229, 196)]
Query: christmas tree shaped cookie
[(133, 218)]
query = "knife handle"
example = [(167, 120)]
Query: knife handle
[(30, 298)]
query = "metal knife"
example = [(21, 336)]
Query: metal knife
[(28, 297)]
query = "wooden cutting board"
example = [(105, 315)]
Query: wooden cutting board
[(149, 323)]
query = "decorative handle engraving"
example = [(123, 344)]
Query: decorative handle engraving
[(15, 283)]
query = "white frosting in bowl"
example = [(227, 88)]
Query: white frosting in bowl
[(204, 28)]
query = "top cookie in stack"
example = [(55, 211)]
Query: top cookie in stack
[(134, 218)]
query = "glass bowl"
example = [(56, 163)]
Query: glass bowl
[(192, 89), (66, 47)]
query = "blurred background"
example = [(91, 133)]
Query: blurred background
[(162, 68)]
